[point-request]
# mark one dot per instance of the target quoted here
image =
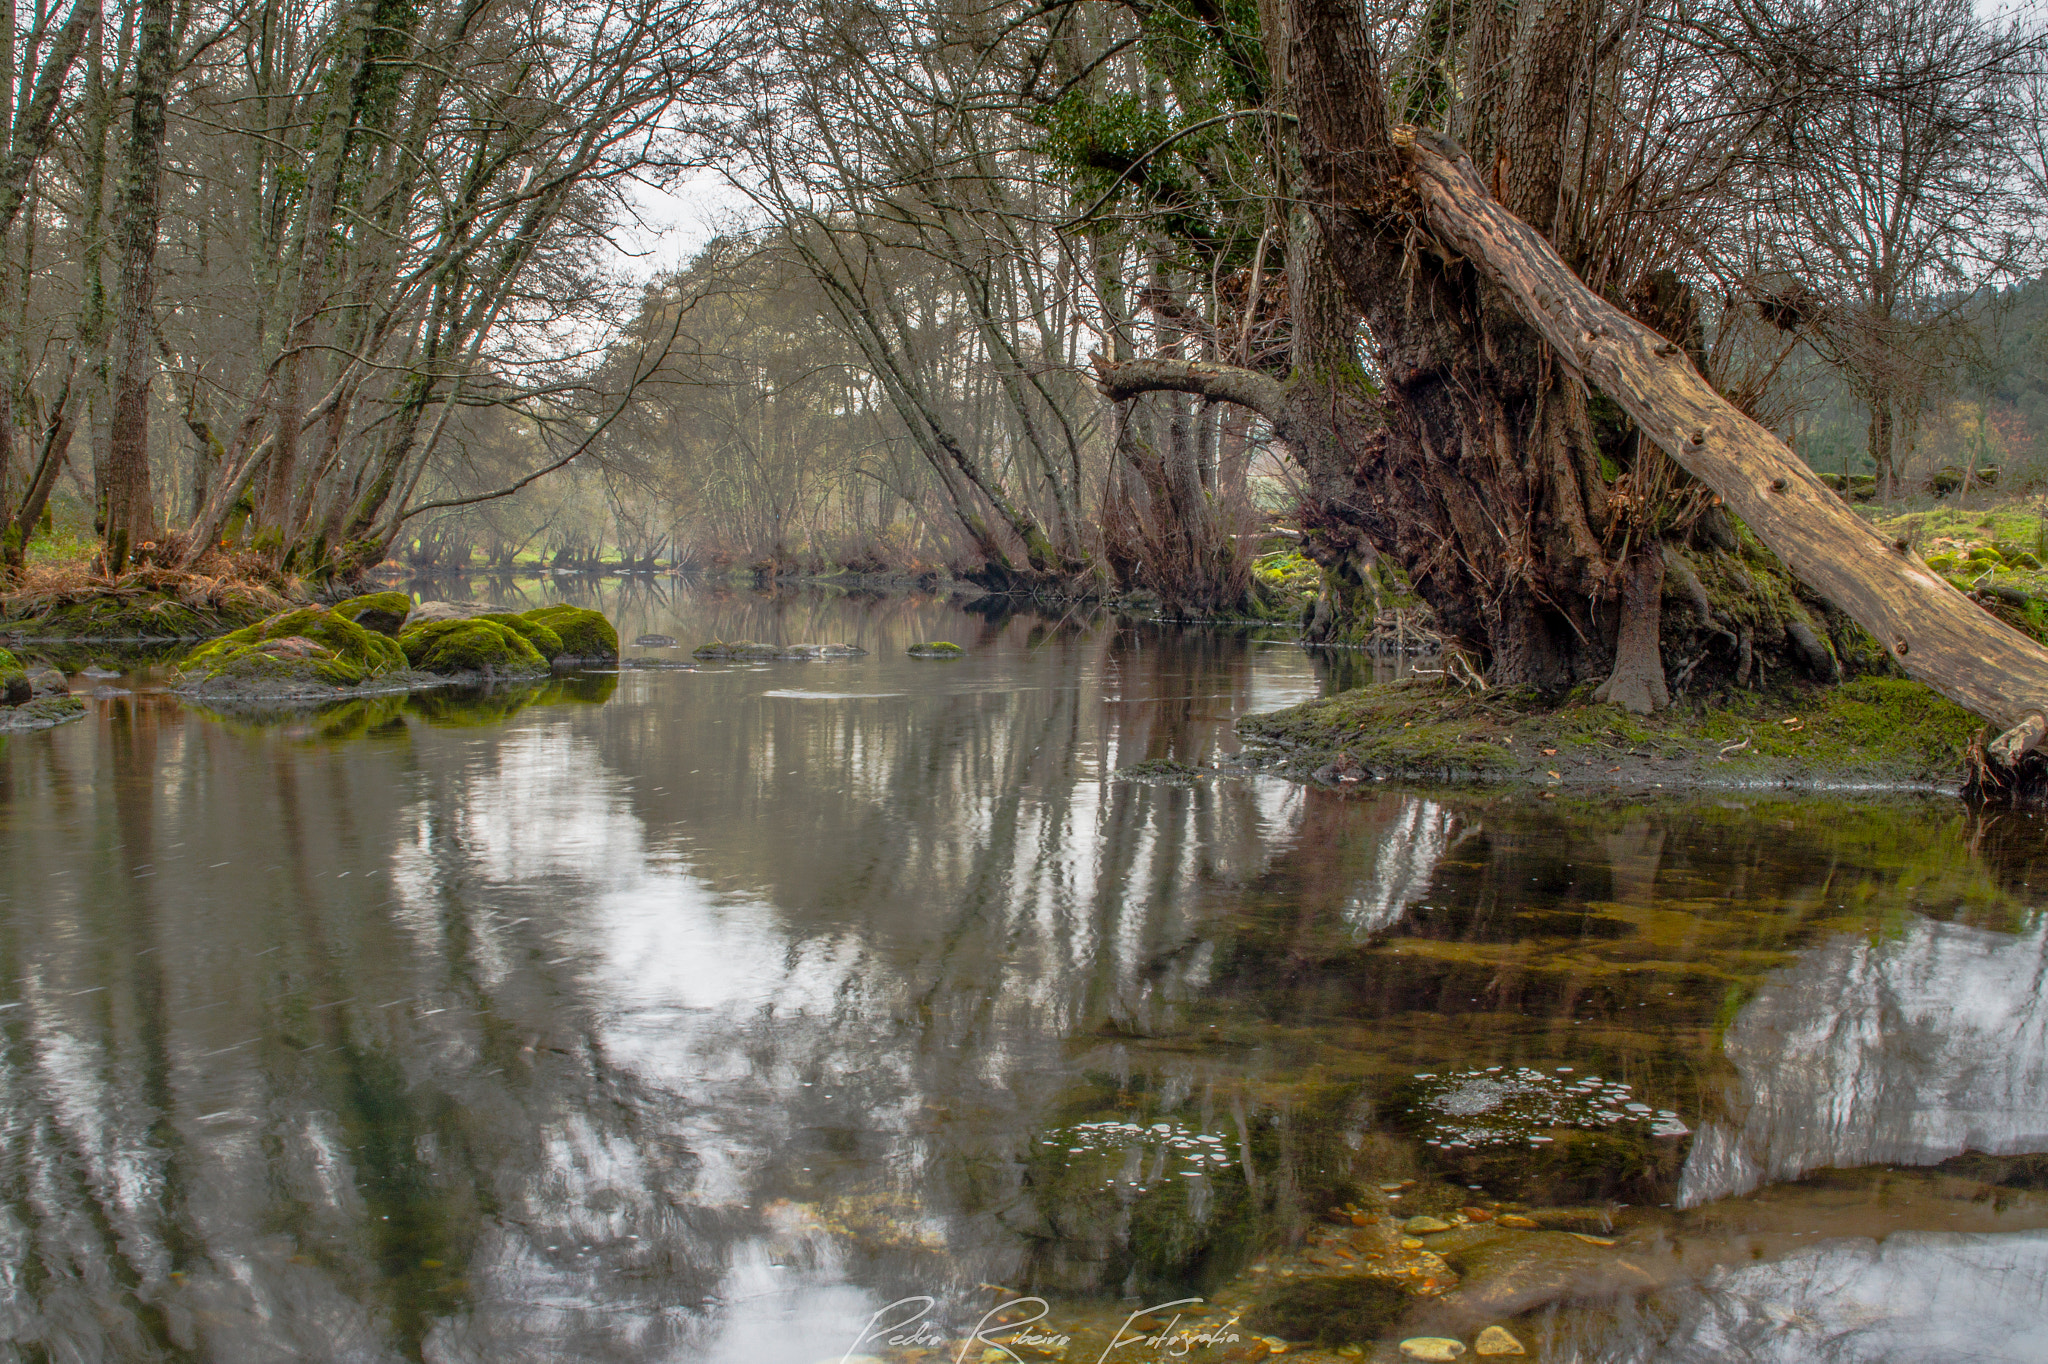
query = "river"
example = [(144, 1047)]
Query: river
[(793, 1012)]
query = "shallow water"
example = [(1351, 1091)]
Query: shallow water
[(704, 1015)]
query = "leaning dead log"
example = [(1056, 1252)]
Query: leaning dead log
[(1938, 636)]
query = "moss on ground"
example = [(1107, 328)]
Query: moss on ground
[(476, 645), (586, 635), (1874, 731), (138, 616), (306, 648), (1284, 584)]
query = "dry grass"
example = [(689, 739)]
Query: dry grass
[(233, 585)]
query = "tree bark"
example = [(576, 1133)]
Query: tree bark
[(1935, 633), (129, 513), (1637, 682)]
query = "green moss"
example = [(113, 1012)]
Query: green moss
[(475, 645), (1158, 772), (384, 612), (1284, 583), (137, 616), (585, 634), (1401, 729), (41, 712), (545, 641), (14, 684), (304, 647), (1876, 730), (939, 648)]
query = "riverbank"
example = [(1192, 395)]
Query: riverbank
[(1884, 734)]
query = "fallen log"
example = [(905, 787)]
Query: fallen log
[(1938, 635)]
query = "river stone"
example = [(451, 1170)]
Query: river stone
[(384, 612), (747, 650), (1432, 1347), (655, 642), (1517, 1221), (1328, 1309), (940, 648), (1423, 1226), (1510, 1275), (427, 612), (1497, 1340)]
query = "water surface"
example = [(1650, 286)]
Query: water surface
[(702, 1015)]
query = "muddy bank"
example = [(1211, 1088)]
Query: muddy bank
[(1885, 734)]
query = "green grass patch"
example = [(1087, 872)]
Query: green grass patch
[(1872, 731)]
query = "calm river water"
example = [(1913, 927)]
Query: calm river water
[(788, 1013)]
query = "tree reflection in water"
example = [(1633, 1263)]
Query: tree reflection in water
[(700, 1023)]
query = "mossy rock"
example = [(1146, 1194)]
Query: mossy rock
[(751, 651), (1329, 1310), (586, 635), (42, 712), (15, 688), (309, 647), (544, 640), (384, 612), (477, 645), (1158, 772), (742, 649), (938, 648)]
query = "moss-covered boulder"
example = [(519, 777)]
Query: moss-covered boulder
[(309, 649), (938, 648), (15, 688), (384, 612), (543, 638), (751, 651), (587, 637), (485, 647)]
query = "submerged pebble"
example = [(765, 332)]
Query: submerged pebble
[(1432, 1347), (1497, 1340)]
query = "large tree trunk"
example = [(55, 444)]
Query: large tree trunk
[(33, 127), (1935, 633), (129, 513)]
